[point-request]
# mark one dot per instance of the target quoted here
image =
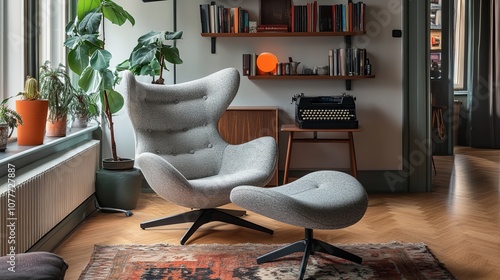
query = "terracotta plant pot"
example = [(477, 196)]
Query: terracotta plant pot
[(34, 114), (56, 128)]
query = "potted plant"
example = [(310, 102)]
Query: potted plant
[(55, 86), (89, 59), (151, 53), (83, 108), (9, 119), (34, 111)]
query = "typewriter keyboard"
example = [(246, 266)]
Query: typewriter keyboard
[(326, 114)]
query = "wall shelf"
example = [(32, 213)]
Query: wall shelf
[(308, 77), (357, 23), (283, 34), (347, 79)]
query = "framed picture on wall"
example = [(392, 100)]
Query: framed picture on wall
[(435, 40), (435, 16), (436, 58)]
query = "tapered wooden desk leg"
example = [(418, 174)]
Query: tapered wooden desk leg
[(352, 153), (288, 157)]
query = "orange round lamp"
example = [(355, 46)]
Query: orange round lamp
[(266, 62)]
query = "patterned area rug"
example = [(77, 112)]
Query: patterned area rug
[(161, 261)]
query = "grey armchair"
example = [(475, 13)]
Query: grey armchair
[(183, 157)]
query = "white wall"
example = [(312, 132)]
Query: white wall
[(379, 100)]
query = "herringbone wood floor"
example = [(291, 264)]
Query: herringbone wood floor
[(459, 221)]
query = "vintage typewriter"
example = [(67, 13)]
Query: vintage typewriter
[(325, 111)]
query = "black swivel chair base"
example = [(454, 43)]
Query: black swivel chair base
[(127, 213), (203, 216), (309, 246)]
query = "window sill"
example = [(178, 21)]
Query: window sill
[(20, 156)]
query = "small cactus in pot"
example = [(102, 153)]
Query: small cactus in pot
[(30, 89), (33, 111)]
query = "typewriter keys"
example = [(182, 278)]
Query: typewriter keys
[(326, 114)]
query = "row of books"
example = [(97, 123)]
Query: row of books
[(312, 17), (219, 19), (350, 17), (342, 17), (349, 62)]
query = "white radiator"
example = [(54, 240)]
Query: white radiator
[(41, 194)]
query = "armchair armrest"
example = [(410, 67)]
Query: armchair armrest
[(260, 154), (165, 179)]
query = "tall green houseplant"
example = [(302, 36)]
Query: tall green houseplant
[(89, 59)]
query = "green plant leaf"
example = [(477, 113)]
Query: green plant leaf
[(142, 56), (171, 54), (145, 70), (90, 23), (115, 13), (129, 17), (72, 42), (85, 6), (155, 66), (100, 59), (173, 35), (108, 79), (92, 41), (115, 100), (90, 80), (70, 27), (150, 38), (78, 59), (125, 65)]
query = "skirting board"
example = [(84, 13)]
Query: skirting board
[(50, 241)]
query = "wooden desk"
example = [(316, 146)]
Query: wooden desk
[(292, 128)]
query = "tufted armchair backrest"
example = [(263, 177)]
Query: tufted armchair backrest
[(179, 122)]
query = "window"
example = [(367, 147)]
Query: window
[(31, 32), (12, 49), (52, 22), (460, 50)]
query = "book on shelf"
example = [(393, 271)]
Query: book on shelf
[(213, 19), (205, 18), (246, 64), (253, 64), (249, 65), (347, 62), (216, 18)]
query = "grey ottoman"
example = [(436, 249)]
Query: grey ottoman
[(319, 200), (32, 266)]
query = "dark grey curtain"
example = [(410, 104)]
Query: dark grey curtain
[(484, 99)]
